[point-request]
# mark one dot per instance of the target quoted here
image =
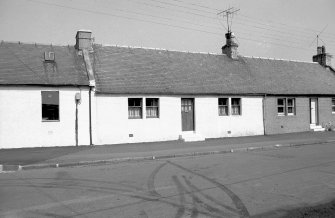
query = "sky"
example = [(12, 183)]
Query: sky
[(281, 29)]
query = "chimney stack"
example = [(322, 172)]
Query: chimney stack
[(84, 40), (230, 49), (322, 57)]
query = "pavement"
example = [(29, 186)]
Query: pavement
[(54, 157)]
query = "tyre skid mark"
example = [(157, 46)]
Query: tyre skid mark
[(208, 207), (151, 181), (242, 210), (181, 191)]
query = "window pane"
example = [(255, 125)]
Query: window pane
[(135, 112), (223, 101), (235, 110), (290, 110), (50, 105), (223, 110), (280, 102), (280, 110), (151, 102), (290, 102), (152, 111), (235, 101), (135, 102)]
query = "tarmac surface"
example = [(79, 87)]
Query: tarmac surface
[(51, 157), (293, 181)]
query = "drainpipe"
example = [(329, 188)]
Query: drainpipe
[(90, 74), (90, 114), (264, 100), (77, 100)]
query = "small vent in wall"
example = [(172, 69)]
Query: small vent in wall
[(49, 56)]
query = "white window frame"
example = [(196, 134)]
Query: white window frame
[(333, 105)]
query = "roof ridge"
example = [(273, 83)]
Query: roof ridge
[(34, 43), (157, 49), (278, 59)]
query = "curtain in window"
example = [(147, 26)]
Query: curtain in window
[(135, 112)]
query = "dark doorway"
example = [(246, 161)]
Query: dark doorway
[(187, 114)]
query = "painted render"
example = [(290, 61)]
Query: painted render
[(21, 117), (113, 126)]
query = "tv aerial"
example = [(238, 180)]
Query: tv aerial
[(228, 14)]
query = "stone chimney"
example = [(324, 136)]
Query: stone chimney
[(322, 57), (230, 49), (84, 40)]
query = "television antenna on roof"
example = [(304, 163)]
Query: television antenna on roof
[(317, 38), (229, 14)]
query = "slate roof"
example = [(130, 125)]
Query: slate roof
[(23, 64), (122, 70)]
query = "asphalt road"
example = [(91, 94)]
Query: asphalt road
[(250, 184)]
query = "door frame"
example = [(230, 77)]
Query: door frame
[(193, 114), (316, 110)]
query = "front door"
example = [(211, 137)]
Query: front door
[(187, 114), (314, 110)]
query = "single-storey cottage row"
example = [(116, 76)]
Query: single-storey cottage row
[(91, 94)]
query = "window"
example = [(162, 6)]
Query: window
[(290, 106), (50, 105), (333, 105), (236, 106), (152, 107), (281, 105), (223, 106), (134, 108), (286, 106)]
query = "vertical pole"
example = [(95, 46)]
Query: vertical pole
[(90, 114), (76, 123)]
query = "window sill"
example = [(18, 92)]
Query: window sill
[(50, 121), (134, 118), (152, 117)]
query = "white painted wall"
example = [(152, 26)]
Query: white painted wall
[(21, 122), (112, 125), (211, 125)]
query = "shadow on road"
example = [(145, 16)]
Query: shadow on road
[(26, 156), (326, 210)]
